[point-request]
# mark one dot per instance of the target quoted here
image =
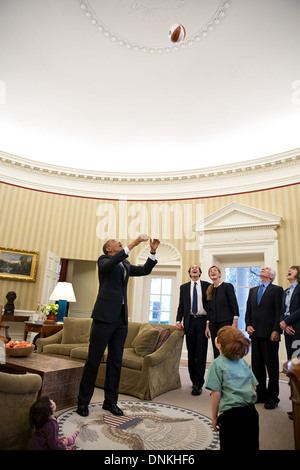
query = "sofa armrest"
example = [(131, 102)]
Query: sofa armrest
[(159, 356), (54, 339)]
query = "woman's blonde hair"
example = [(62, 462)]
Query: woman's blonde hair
[(211, 287), (233, 342)]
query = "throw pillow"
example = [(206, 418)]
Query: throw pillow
[(145, 341), (164, 334), (76, 330)]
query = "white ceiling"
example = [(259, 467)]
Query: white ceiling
[(72, 96)]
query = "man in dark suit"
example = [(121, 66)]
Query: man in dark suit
[(110, 321), (290, 315), (262, 324), (192, 309), (290, 312)]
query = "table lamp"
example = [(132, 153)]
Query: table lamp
[(63, 292)]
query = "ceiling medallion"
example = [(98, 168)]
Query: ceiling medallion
[(148, 16)]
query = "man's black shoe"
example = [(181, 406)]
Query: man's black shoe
[(271, 405), (113, 408), (82, 410), (196, 390)]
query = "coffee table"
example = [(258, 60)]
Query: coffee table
[(60, 377)]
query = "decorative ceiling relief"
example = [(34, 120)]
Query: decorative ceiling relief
[(143, 25), (270, 172)]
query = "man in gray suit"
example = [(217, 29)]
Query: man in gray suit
[(110, 321)]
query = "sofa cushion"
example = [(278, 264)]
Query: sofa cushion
[(76, 330), (131, 360), (81, 352), (63, 349), (145, 341), (164, 334)]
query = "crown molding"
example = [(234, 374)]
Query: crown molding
[(253, 175)]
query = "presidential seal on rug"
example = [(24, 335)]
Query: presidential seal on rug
[(144, 426)]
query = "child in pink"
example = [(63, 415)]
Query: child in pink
[(46, 427)]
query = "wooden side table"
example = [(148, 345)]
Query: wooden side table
[(14, 318), (42, 328), (292, 370)]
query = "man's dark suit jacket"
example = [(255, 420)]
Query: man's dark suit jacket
[(265, 317), (184, 307), (113, 285), (294, 318)]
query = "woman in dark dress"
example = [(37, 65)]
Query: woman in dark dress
[(222, 306)]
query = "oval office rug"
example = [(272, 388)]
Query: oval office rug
[(144, 426)]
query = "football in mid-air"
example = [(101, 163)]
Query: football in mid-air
[(177, 32)]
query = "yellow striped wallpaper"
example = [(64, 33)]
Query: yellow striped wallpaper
[(76, 228)]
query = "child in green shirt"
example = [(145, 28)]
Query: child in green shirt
[(233, 384)]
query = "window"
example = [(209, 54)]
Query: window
[(160, 300), (242, 278)]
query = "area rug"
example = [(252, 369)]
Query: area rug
[(144, 426)]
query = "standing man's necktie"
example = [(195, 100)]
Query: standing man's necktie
[(195, 299), (287, 301), (260, 293)]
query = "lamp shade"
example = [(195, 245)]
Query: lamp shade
[(63, 291)]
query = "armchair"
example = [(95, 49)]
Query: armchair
[(18, 392)]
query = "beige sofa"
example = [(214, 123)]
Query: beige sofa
[(151, 358), (18, 392)]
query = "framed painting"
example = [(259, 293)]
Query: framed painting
[(18, 265)]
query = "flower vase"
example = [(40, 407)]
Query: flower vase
[(51, 318)]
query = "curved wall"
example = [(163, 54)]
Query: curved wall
[(75, 226)]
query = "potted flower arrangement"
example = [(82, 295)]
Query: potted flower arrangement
[(50, 311)]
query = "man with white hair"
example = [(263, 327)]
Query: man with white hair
[(262, 324)]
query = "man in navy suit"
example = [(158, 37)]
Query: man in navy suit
[(192, 309), (290, 312), (110, 321), (262, 324)]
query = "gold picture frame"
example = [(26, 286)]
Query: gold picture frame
[(18, 265)]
